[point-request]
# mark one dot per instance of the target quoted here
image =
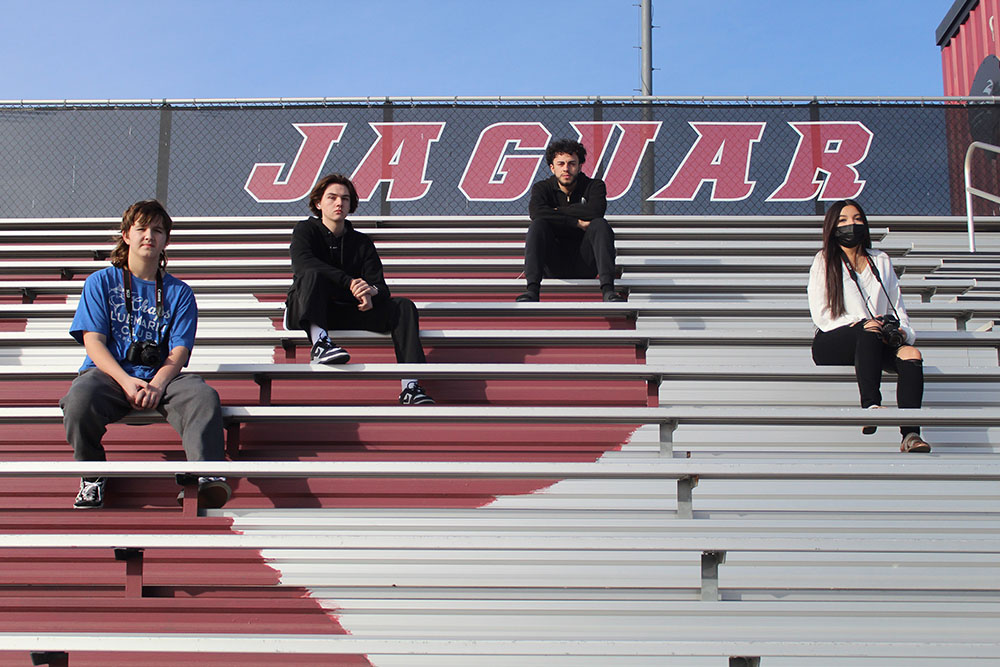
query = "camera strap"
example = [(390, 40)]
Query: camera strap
[(888, 299), (127, 281), (864, 294)]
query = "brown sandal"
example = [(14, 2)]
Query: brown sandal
[(914, 443)]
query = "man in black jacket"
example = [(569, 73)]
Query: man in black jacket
[(338, 284), (568, 236)]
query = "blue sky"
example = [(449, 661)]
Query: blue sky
[(111, 49)]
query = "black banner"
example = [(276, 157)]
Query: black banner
[(481, 158)]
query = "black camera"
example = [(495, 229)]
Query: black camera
[(144, 353), (891, 334)]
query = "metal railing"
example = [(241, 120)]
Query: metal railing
[(378, 100), (969, 190)]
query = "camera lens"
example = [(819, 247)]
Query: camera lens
[(150, 354)]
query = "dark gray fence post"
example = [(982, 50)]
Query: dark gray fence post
[(163, 154), (384, 209)]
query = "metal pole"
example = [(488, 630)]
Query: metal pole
[(647, 164), (647, 47), (968, 194)]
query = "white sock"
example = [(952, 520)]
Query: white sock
[(316, 332), (406, 383)]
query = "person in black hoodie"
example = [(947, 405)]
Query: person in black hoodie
[(568, 236), (338, 284)]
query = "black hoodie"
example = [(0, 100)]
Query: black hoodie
[(341, 260), (587, 201)]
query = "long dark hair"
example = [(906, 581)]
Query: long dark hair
[(142, 211), (832, 254)]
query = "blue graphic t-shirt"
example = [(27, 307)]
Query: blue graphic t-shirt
[(102, 310)]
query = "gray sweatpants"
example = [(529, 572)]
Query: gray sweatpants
[(95, 400)]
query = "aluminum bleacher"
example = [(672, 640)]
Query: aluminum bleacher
[(666, 481)]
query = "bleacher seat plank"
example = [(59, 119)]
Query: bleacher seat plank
[(704, 540), (960, 311), (479, 232), (885, 467), (688, 263), (751, 283), (527, 337), (397, 249), (815, 643), (955, 224), (677, 415), (531, 371)]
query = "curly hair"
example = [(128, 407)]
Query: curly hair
[(567, 146), (317, 192), (146, 211)]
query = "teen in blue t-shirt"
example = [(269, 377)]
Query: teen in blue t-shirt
[(102, 309), (137, 324)]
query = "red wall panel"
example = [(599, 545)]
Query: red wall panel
[(977, 38)]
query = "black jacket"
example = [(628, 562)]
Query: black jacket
[(587, 201), (353, 255)]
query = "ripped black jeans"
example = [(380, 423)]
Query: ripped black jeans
[(854, 346)]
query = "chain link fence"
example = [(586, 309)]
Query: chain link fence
[(478, 157)]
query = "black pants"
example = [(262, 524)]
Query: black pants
[(316, 301), (855, 346), (557, 252)]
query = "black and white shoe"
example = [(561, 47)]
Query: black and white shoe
[(91, 495), (611, 296), (414, 394), (325, 351), (213, 493)]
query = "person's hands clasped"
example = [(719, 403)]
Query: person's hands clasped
[(150, 397), (874, 326), (363, 292), (136, 392), (583, 224)]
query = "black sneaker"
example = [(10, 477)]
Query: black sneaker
[(870, 430), (414, 394), (528, 297), (91, 495), (325, 351), (612, 296), (213, 493)]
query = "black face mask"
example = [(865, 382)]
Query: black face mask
[(850, 236)]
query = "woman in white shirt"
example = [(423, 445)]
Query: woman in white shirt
[(854, 300)]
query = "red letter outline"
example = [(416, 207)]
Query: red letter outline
[(498, 168)]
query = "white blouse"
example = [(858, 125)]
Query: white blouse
[(854, 301)]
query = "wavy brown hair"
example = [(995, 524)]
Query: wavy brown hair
[(832, 254), (317, 192), (146, 211)]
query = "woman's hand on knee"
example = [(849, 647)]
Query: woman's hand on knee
[(908, 353)]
